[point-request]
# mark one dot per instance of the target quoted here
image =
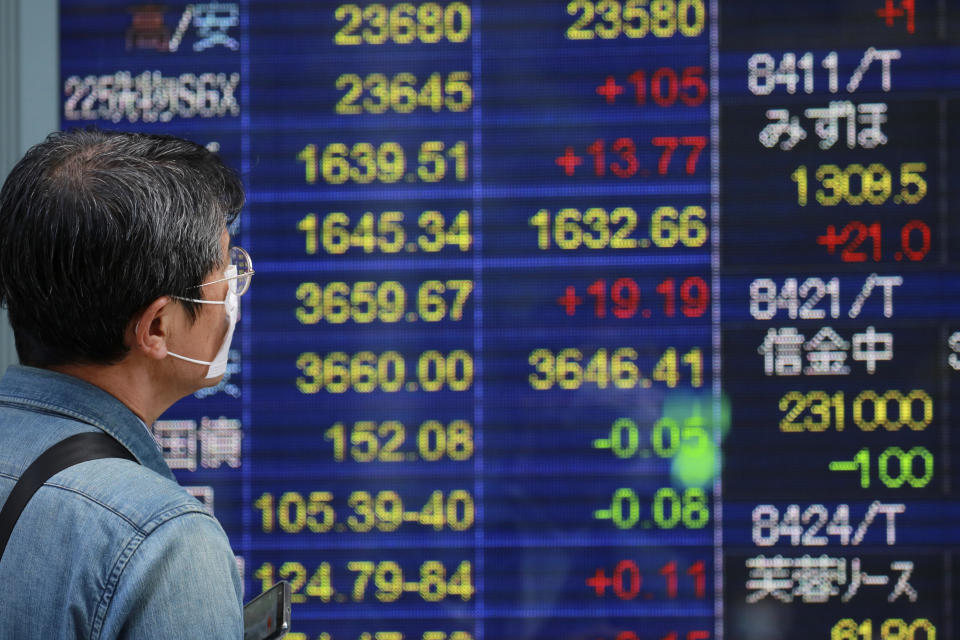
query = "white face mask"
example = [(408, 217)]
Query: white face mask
[(218, 366)]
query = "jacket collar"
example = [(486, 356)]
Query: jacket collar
[(52, 392)]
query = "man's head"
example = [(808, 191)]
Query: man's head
[(95, 226)]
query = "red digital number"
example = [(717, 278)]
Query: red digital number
[(860, 242)]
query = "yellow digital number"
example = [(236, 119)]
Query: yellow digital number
[(437, 235), (387, 579), (434, 161), (293, 513), (570, 230), (890, 410), (366, 372), (595, 229), (369, 441), (890, 629), (366, 301), (668, 227), (377, 93), (337, 233), (856, 185), (609, 19), (567, 370), (403, 23), (362, 163)]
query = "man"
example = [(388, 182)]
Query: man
[(115, 269)]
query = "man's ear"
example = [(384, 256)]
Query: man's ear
[(151, 330)]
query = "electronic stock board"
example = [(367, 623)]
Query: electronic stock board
[(599, 319)]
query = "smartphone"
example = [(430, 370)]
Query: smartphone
[(267, 616)]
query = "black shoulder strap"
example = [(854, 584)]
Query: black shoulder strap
[(73, 450)]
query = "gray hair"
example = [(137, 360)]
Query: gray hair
[(96, 225)]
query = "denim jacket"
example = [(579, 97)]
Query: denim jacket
[(107, 548)]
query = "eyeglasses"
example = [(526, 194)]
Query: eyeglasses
[(244, 270), (241, 267)]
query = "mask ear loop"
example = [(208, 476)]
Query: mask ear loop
[(136, 330), (217, 366), (180, 357), (231, 300)]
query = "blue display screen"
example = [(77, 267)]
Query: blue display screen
[(599, 319)]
